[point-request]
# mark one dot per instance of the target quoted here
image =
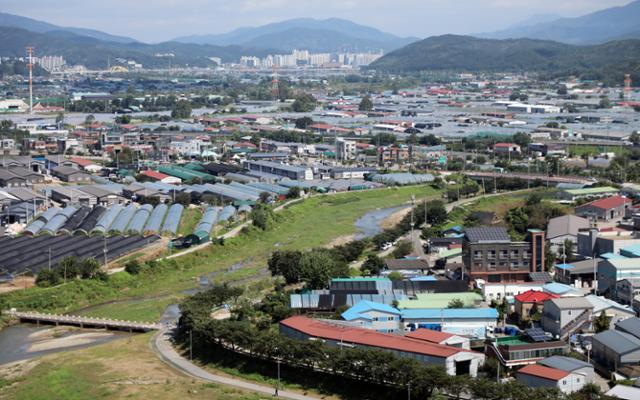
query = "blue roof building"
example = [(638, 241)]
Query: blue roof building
[(375, 316)]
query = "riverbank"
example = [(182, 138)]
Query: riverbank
[(311, 223)]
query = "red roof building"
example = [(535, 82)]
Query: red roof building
[(610, 202), (533, 296), (455, 360), (535, 376), (543, 372), (159, 176), (530, 303), (606, 209)]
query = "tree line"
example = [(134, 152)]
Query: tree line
[(379, 368)]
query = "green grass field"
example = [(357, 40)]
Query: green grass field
[(312, 223), (189, 220)]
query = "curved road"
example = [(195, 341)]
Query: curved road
[(161, 343)]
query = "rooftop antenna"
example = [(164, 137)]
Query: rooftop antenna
[(30, 66), (275, 88)]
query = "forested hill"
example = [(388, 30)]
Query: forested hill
[(466, 53)]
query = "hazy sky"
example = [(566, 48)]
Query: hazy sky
[(158, 20)]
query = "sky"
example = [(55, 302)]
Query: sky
[(159, 20)]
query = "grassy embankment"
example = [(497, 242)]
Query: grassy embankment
[(309, 224), (108, 372)]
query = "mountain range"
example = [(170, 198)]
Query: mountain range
[(96, 53), (602, 26), (17, 21), (327, 35), (465, 53)]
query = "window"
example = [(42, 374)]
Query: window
[(564, 382), (375, 318), (504, 253), (492, 254), (492, 265), (514, 253), (390, 319), (526, 254), (477, 255)]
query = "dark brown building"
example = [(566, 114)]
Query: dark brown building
[(489, 254)]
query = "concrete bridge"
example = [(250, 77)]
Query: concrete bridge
[(82, 322)]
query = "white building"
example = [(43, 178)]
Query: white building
[(345, 149)]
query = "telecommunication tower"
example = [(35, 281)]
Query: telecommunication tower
[(627, 86), (275, 88), (30, 66)]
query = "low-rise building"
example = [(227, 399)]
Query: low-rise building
[(572, 365), (607, 209), (536, 376), (471, 322), (70, 175), (443, 338), (564, 316), (613, 349), (575, 194), (564, 228), (376, 316), (456, 361), (611, 271), (531, 303)]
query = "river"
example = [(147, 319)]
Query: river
[(370, 224), (25, 341)]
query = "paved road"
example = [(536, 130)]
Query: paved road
[(161, 343)]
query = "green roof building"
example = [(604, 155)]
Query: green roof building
[(441, 300)]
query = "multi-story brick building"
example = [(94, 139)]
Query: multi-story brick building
[(490, 255)]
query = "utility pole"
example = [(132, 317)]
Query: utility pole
[(409, 390), (104, 250), (191, 345), (30, 66)]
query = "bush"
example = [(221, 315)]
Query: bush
[(133, 267)]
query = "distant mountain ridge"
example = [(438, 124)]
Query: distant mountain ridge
[(598, 27), (340, 35), (95, 53), (29, 24), (465, 53)]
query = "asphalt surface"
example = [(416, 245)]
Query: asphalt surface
[(161, 343)]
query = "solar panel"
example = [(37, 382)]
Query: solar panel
[(540, 277), (536, 334)]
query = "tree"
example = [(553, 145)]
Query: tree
[(133, 267), (522, 139), (89, 268), (90, 119), (183, 198), (285, 264), (69, 268), (47, 278), (303, 122), (403, 248), (604, 102), (293, 193), (365, 104), (181, 110), (304, 103), (601, 323), (60, 118), (373, 264), (265, 197), (384, 139), (395, 276), (262, 216), (635, 138), (429, 140), (569, 248), (455, 303), (316, 269)]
